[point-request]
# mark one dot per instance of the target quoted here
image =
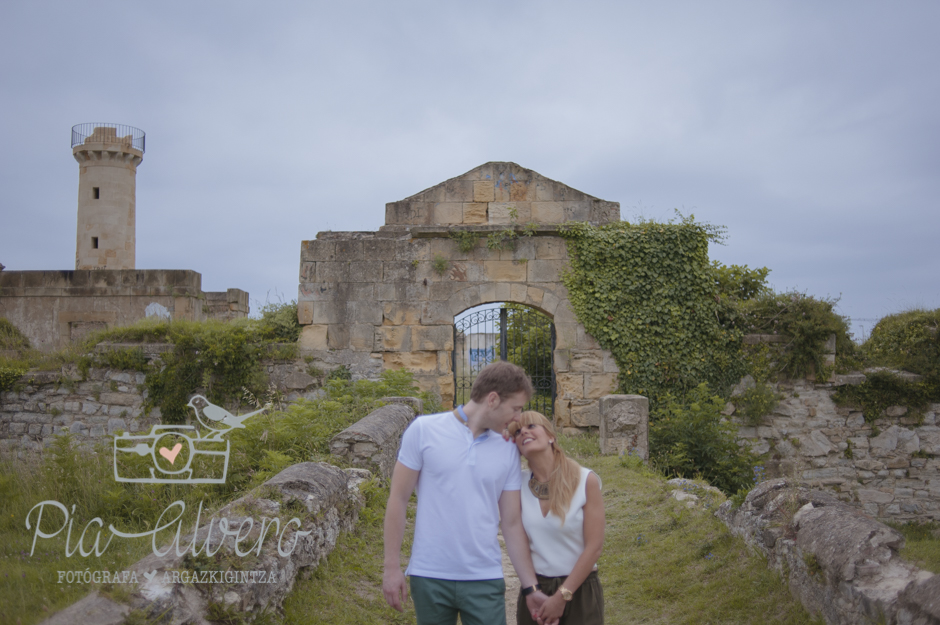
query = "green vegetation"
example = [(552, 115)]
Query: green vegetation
[(68, 474), (648, 293), (11, 337), (530, 334), (908, 340), (440, 264), (466, 239), (689, 438), (921, 544), (662, 562), (757, 402)]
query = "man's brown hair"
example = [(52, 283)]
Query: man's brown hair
[(503, 377)]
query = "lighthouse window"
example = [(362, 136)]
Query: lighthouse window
[(96, 193), (94, 240)]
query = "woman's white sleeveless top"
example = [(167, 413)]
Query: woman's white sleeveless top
[(555, 548)]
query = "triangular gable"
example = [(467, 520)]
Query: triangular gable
[(495, 192)]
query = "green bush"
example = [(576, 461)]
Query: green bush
[(689, 438), (806, 321), (756, 402), (882, 389), (279, 322), (11, 337), (648, 293), (908, 340)]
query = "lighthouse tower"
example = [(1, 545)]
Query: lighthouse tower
[(107, 155)]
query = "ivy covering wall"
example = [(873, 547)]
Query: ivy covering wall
[(648, 293)]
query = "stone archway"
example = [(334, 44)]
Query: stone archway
[(387, 299)]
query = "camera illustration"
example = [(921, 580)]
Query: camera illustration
[(170, 454)]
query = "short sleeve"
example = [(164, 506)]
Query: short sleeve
[(514, 479), (410, 452)]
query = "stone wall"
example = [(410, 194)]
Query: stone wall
[(374, 300), (372, 442), (49, 403), (625, 421), (53, 308), (839, 563), (890, 468)]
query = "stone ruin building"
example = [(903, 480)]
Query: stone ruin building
[(106, 289)]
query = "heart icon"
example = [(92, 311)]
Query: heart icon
[(171, 454), (150, 575)]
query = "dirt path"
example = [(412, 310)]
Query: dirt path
[(512, 584)]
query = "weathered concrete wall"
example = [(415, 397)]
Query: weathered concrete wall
[(372, 442), (53, 308), (894, 475), (324, 498), (373, 300), (840, 563)]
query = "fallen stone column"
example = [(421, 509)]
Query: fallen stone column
[(840, 563), (372, 442), (238, 572)]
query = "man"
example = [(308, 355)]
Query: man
[(468, 479)]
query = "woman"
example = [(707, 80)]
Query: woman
[(563, 515)]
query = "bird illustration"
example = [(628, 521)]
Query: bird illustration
[(217, 419)]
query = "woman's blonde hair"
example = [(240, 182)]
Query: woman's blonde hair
[(566, 473)]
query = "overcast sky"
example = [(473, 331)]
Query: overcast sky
[(809, 129)]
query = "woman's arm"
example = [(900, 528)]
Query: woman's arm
[(593, 545)]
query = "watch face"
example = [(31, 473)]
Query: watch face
[(566, 594)]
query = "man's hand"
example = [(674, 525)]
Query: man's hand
[(552, 609), (395, 588), (535, 602)]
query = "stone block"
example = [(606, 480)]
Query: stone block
[(624, 424), (585, 414), (873, 496), (458, 190), (413, 361), (544, 190), (586, 341), (534, 296), (393, 338), (337, 336), (397, 314), (474, 213), (564, 193), (436, 313), (427, 338), (570, 385), (389, 292), (504, 271), (578, 211), (322, 291), (484, 191), (517, 292), (380, 249), (502, 292), (566, 334), (586, 361), (447, 213), (521, 191), (362, 292), (317, 250), (394, 271), (365, 270), (407, 213), (561, 360), (548, 212), (333, 272), (550, 248), (596, 385), (500, 213), (329, 312), (305, 313), (545, 270), (313, 338), (465, 271), (362, 337), (564, 313), (363, 312)]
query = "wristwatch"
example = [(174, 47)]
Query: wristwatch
[(528, 591), (565, 593)]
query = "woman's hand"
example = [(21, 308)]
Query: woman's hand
[(552, 610)]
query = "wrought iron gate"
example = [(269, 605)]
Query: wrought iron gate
[(512, 332)]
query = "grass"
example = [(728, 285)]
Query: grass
[(662, 562), (922, 545)]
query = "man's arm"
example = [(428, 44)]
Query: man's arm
[(517, 546), (393, 580)]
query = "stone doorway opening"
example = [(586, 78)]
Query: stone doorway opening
[(505, 331)]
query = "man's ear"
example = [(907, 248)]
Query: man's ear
[(493, 400)]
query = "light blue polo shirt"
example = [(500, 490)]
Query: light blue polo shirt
[(459, 485)]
